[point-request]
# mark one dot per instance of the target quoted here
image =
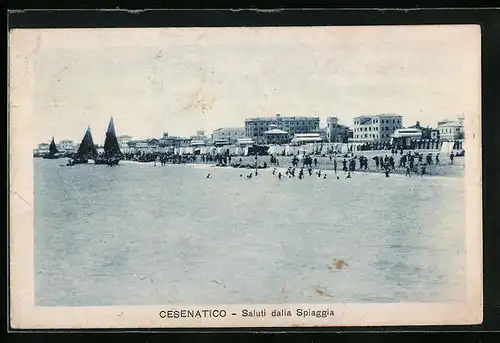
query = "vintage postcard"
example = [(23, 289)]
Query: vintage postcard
[(245, 177)]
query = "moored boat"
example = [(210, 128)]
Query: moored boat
[(53, 152), (86, 150), (112, 154)]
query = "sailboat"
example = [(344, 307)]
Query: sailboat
[(112, 153), (85, 151), (53, 152)]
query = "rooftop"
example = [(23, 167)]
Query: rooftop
[(451, 124), (379, 115), (281, 118), (275, 132), (229, 128), (306, 135)]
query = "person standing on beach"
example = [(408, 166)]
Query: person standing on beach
[(407, 171), (335, 165), (429, 159), (437, 159), (422, 170), (451, 158)]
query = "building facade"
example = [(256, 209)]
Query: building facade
[(229, 135), (256, 127), (306, 138), (276, 136), (66, 146), (123, 141), (336, 133), (375, 129), (200, 137), (451, 130)]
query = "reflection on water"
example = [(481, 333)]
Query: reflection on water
[(138, 234)]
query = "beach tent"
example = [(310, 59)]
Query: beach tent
[(447, 147), (276, 150), (291, 150)]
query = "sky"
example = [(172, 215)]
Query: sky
[(181, 80)]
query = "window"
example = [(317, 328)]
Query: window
[(393, 121), (387, 128), (370, 128)]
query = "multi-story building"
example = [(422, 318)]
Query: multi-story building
[(375, 129), (66, 145), (336, 133), (166, 140), (228, 134), (255, 127), (451, 130), (276, 136), (123, 141)]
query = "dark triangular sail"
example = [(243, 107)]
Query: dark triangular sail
[(52, 148), (111, 146), (87, 148)]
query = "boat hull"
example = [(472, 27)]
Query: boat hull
[(77, 161), (107, 161)]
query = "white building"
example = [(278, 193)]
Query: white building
[(305, 138), (66, 146), (375, 129), (123, 140), (255, 127), (451, 130), (228, 134)]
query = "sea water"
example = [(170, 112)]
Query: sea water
[(139, 234)]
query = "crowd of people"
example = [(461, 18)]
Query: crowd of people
[(409, 162)]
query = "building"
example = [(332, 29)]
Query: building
[(255, 127), (199, 137), (182, 142), (405, 138), (306, 138), (451, 130), (376, 130), (123, 141), (336, 133), (66, 145), (41, 149), (166, 140), (245, 142), (227, 135), (276, 136), (427, 132)]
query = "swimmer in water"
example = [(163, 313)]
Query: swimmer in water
[(208, 176), (348, 175)]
